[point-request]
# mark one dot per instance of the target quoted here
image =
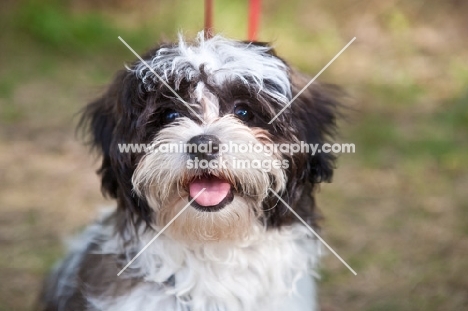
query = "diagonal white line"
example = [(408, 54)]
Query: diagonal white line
[(160, 232), (161, 79), (315, 233), (311, 81)]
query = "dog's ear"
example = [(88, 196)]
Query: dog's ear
[(106, 120), (98, 120), (315, 112), (117, 117)]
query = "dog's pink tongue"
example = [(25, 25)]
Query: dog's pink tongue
[(216, 190)]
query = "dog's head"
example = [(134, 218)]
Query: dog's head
[(210, 136)]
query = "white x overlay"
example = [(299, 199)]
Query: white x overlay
[(313, 231), (274, 118), (160, 232), (311, 81)]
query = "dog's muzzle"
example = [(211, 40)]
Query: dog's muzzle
[(218, 191)]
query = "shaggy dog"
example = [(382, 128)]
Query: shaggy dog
[(231, 243)]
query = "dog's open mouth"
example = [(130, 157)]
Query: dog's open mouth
[(218, 193)]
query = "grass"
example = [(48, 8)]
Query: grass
[(396, 210)]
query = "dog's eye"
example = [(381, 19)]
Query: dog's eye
[(171, 115), (243, 112)]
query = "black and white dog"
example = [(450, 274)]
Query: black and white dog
[(237, 246)]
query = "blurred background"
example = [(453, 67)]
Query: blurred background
[(397, 210)]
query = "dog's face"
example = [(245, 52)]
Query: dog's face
[(229, 91)]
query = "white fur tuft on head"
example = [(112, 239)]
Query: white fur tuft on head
[(222, 60)]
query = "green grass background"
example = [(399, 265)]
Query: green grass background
[(397, 210)]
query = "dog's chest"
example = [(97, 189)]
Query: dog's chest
[(153, 298), (272, 272)]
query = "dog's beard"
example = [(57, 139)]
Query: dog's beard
[(164, 179)]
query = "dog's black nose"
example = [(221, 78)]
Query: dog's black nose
[(203, 147)]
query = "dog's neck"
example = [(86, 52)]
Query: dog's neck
[(261, 273)]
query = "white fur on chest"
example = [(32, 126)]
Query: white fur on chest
[(273, 270)]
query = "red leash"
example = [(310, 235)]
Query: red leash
[(208, 19), (254, 19)]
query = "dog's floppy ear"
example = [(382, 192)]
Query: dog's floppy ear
[(101, 119), (98, 119), (315, 112), (114, 118)]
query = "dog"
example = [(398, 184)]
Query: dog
[(230, 241)]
